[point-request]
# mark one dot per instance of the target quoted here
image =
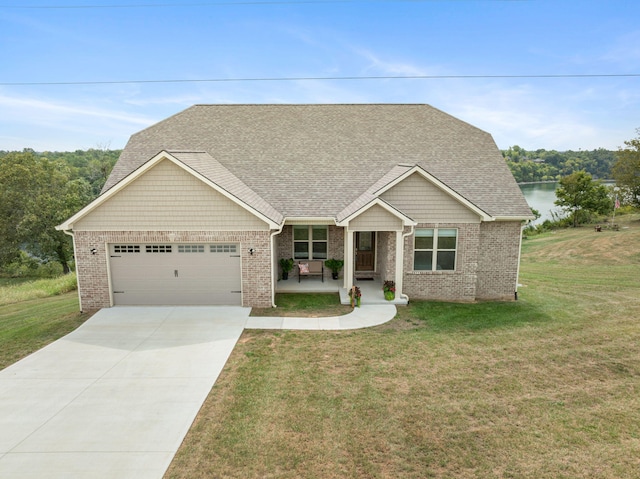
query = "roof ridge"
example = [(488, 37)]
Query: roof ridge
[(309, 104)]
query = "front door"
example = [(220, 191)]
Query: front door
[(365, 251)]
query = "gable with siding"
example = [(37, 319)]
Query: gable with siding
[(168, 198), (376, 218), (424, 202)]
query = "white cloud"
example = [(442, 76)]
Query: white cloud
[(63, 125), (532, 116), (394, 67), (44, 112)]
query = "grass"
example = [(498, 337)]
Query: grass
[(306, 305), (545, 387), (33, 314), (16, 290)]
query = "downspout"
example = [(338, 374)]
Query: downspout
[(274, 266), (515, 294), (75, 256), (404, 237)]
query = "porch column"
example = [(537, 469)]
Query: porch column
[(348, 259), (399, 262)]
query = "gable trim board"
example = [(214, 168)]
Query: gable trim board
[(445, 172)]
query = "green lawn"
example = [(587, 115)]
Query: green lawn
[(306, 305), (545, 387), (16, 290), (27, 325)]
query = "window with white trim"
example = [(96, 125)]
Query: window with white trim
[(310, 242), (435, 249)]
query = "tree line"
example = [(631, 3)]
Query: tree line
[(39, 190), (551, 165)]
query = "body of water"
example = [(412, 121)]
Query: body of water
[(541, 196)]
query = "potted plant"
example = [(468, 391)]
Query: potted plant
[(335, 265), (389, 288), (287, 265), (355, 295)]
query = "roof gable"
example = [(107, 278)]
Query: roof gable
[(436, 194), (373, 205), (316, 160), (234, 190)]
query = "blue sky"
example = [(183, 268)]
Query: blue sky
[(230, 40)]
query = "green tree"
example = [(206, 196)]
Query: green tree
[(626, 170), (543, 165), (36, 195), (578, 194), (16, 177)]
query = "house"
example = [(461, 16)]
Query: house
[(200, 207)]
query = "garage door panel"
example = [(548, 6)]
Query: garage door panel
[(175, 274), (175, 299)]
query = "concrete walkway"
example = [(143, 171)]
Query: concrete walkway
[(362, 317), (115, 398)]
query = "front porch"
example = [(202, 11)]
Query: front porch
[(371, 290)]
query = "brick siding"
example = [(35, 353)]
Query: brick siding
[(486, 261), (498, 260), (458, 285), (486, 265)]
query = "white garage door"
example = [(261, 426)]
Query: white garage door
[(175, 274)]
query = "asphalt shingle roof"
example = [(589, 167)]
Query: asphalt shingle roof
[(316, 160)]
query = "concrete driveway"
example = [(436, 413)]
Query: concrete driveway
[(115, 398)]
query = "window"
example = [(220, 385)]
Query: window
[(191, 248), (126, 248), (223, 248), (158, 248), (435, 249), (310, 242)]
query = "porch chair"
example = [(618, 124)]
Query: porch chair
[(310, 268)]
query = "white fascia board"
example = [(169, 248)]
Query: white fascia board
[(439, 184), (514, 218), (309, 220), (379, 202), (163, 155)]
